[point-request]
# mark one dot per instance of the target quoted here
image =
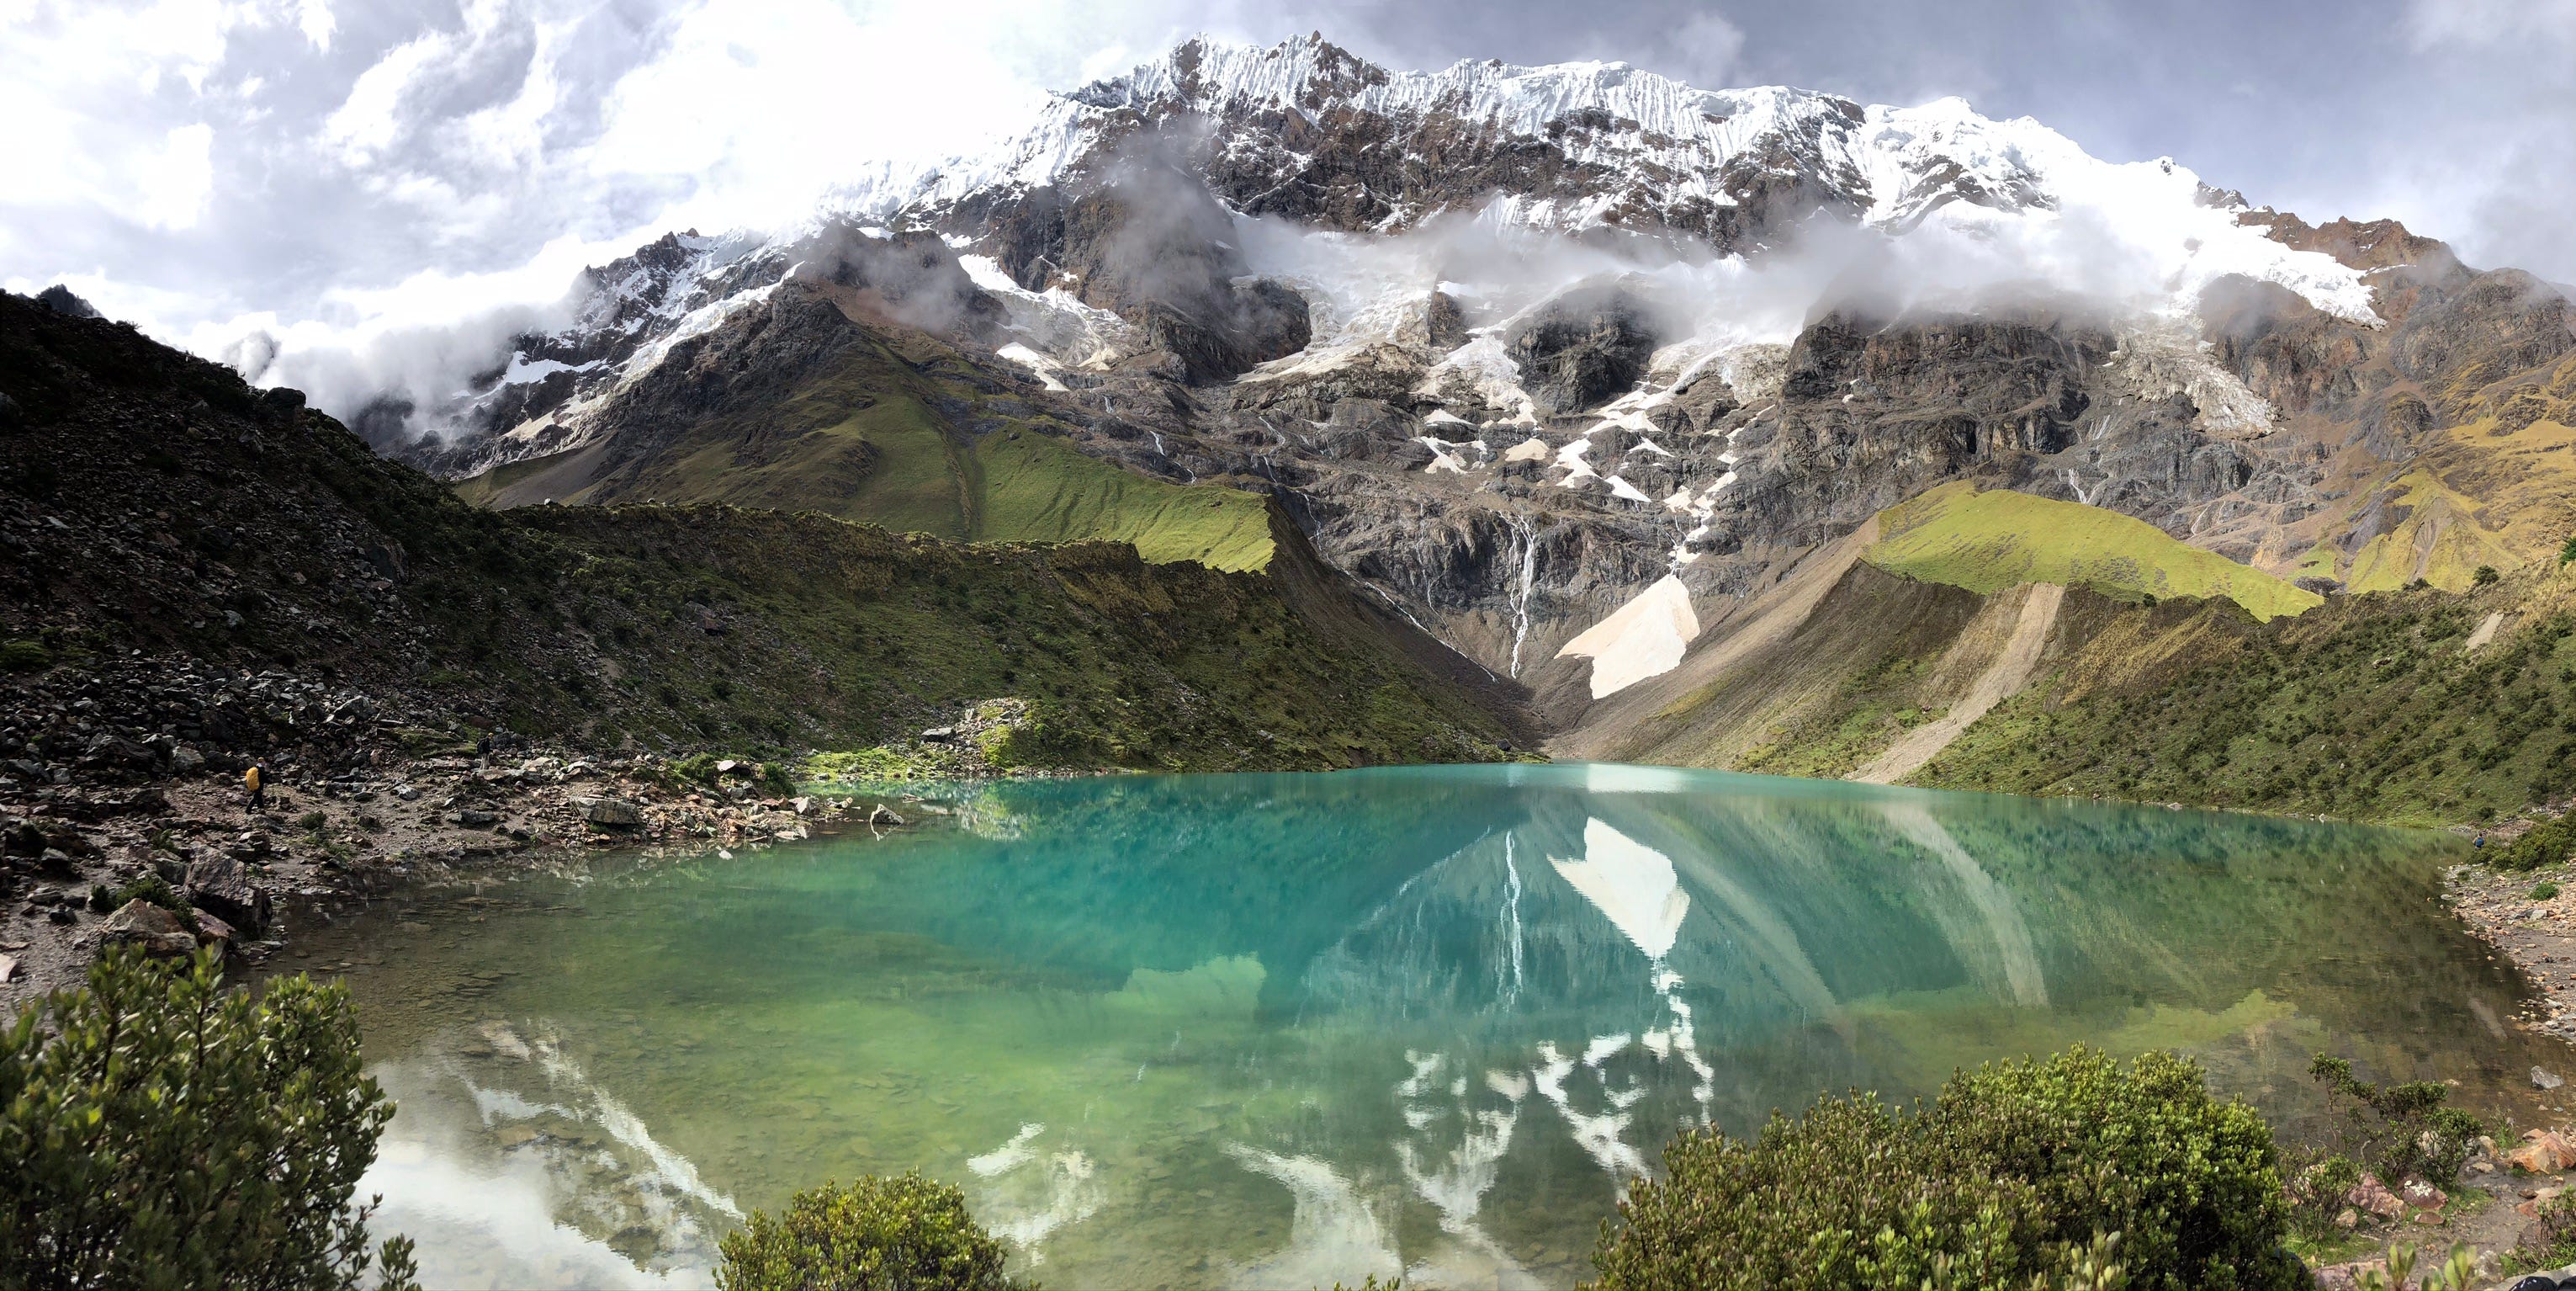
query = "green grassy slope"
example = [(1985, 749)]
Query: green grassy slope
[(1988, 541), (2370, 707), (836, 635), (890, 428)]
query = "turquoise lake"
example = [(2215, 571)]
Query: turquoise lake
[(1278, 1030)]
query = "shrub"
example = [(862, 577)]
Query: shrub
[(2484, 575), (2068, 1172), (312, 822), (2543, 890), (171, 1133), (151, 888), (2547, 842), (25, 656), (2318, 1193), (2402, 1130), (905, 1234), (2551, 1242)]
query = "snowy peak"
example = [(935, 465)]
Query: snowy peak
[(1309, 130)]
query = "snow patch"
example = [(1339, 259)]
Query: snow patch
[(1641, 639)]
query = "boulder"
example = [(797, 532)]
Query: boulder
[(2373, 1196), (141, 923), (2543, 1078), (2542, 1152), (884, 816), (222, 886), (214, 932), (612, 813)]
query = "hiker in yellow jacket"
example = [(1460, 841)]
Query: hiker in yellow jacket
[(258, 786)]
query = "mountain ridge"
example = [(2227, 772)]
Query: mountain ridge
[(1575, 366)]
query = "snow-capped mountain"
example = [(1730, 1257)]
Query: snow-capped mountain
[(1563, 361), (1308, 134)]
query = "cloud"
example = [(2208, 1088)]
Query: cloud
[(1704, 51), (174, 185), (2516, 183), (333, 173)]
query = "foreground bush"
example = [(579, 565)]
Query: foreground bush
[(174, 1134), (2057, 1174), (906, 1234)]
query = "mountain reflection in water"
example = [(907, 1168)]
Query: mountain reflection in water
[(1274, 1031)]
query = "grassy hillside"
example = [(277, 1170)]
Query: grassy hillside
[(881, 425), (2373, 706), (1988, 541), (152, 503), (800, 631)]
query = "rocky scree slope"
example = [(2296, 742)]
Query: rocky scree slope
[(152, 503)]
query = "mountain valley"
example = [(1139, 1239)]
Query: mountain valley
[(1631, 394)]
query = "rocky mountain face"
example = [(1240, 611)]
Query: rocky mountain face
[(1573, 366)]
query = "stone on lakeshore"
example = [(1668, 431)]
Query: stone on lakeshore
[(157, 931), (884, 816), (221, 885), (611, 813), (2543, 1152), (212, 931), (2373, 1196), (2542, 1078)]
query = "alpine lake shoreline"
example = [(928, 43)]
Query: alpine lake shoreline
[(458, 832)]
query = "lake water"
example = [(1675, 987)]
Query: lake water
[(1273, 1031)]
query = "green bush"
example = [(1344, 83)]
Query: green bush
[(2402, 1131), (2547, 842), (2054, 1174), (171, 1133), (905, 1234), (2318, 1193), (25, 656), (2543, 890), (151, 888), (2485, 575)]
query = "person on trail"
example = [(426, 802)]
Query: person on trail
[(257, 782)]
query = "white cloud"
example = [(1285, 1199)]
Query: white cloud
[(337, 173), (1705, 50), (313, 18), (2497, 173), (176, 183), (369, 119)]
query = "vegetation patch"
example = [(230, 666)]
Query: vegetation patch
[(1988, 541), (2069, 1172), (161, 1130), (1869, 712), (916, 443), (904, 1233), (2369, 708)]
